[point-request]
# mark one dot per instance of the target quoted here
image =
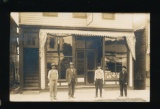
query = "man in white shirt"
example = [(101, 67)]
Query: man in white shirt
[(99, 80), (53, 78)]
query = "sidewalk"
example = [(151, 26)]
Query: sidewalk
[(84, 95)]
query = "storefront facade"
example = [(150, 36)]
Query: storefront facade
[(85, 47)]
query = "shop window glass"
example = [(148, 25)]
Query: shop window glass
[(115, 57), (59, 51), (80, 55), (64, 65), (90, 44), (66, 46)]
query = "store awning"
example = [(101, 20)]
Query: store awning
[(130, 37), (90, 33)]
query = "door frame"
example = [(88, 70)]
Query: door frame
[(81, 50), (95, 64), (85, 62)]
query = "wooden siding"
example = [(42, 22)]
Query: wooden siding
[(122, 20)]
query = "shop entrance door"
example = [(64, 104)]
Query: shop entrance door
[(31, 66), (90, 66), (86, 65)]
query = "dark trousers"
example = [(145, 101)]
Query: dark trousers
[(71, 88), (123, 87), (98, 84)]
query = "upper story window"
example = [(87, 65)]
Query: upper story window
[(50, 14), (31, 40), (79, 15), (108, 16)]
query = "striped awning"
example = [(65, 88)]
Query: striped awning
[(89, 33)]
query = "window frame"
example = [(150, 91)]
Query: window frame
[(50, 14), (77, 15), (107, 18), (33, 36)]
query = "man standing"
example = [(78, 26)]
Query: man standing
[(99, 80), (53, 78), (71, 77), (123, 81)]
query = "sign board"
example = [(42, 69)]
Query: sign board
[(111, 75), (89, 18)]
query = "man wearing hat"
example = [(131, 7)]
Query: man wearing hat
[(53, 78), (123, 81), (99, 80), (71, 77)]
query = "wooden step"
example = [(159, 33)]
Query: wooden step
[(32, 72), (31, 81), (32, 78), (32, 75), (31, 88), (31, 85)]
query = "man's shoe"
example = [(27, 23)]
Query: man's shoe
[(96, 96), (73, 97), (51, 99), (69, 97), (120, 96), (55, 98)]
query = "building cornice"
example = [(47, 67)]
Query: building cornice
[(24, 26)]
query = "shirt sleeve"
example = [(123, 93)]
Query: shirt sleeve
[(119, 76), (76, 75), (49, 75), (127, 77), (67, 74), (57, 75), (95, 75), (103, 75)]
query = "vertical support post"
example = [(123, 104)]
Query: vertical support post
[(58, 48), (42, 38), (21, 59), (128, 62), (46, 73), (115, 52), (103, 54), (73, 49), (130, 70)]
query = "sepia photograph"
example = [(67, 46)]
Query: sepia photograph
[(79, 57)]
